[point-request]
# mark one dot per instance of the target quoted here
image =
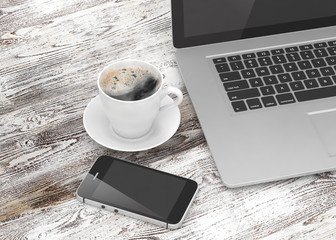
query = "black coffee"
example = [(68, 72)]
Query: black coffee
[(130, 84)]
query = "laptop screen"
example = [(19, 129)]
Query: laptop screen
[(197, 22)]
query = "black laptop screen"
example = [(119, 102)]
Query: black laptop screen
[(208, 21)]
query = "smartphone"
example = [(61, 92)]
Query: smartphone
[(137, 191)]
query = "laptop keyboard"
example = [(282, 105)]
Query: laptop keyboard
[(270, 78)]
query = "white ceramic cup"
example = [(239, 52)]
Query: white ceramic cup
[(134, 119)]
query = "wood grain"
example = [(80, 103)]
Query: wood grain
[(51, 52)]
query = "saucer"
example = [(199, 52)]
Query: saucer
[(96, 125)]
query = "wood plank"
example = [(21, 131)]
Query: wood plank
[(34, 12), (259, 211)]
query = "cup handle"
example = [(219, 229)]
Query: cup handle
[(179, 97)]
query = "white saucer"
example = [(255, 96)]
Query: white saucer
[(96, 125)]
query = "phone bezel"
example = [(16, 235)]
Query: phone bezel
[(102, 164)]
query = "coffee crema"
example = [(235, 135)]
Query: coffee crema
[(130, 84)]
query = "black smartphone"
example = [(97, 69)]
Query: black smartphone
[(137, 191)]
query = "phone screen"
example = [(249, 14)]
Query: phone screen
[(138, 189)]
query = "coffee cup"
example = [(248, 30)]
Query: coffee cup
[(131, 92)]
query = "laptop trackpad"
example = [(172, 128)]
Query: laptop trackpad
[(325, 125)]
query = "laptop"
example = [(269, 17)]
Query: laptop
[(261, 75)]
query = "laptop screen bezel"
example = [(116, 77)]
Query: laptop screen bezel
[(181, 41)]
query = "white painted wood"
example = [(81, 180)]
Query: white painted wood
[(51, 52)]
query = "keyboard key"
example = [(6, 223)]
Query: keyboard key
[(253, 103), (291, 49), (251, 63), (304, 65), (239, 106), (307, 55), (310, 83), (300, 75), (313, 73), (262, 71), (306, 47), (248, 73), (269, 101), (325, 81), (283, 78), (234, 58), (331, 60), (263, 54), (249, 56), (236, 85), (295, 86), (237, 65), (332, 50), (265, 61), (332, 43), (276, 69), (270, 80), (320, 52), (256, 82), (285, 98), (282, 88), (317, 93), (290, 67), (268, 90), (277, 59), (224, 67), (318, 62), (327, 71), (242, 94), (219, 60), (320, 45), (277, 51), (230, 76), (293, 57)]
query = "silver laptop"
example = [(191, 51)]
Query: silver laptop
[(261, 77)]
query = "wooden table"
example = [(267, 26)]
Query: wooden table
[(51, 53)]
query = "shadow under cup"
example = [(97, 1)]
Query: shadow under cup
[(131, 119)]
